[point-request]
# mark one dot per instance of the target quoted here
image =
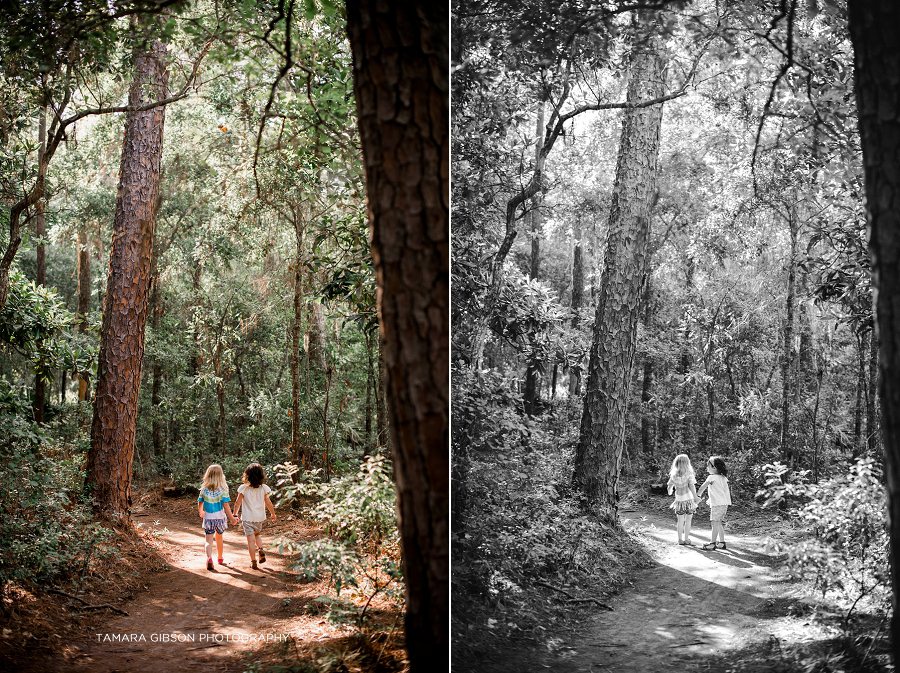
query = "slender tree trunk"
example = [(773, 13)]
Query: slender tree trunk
[(862, 393), (601, 442), (400, 66), (298, 449), (873, 431), (84, 303), (647, 380), (125, 316), (382, 431), (875, 32), (787, 357), (577, 303), (40, 230), (532, 395), (155, 310), (370, 388)]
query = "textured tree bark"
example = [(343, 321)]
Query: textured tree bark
[(84, 302), (125, 315), (601, 441), (875, 33), (400, 67)]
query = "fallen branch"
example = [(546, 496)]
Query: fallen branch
[(85, 605), (574, 599)]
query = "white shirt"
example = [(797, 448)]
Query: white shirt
[(719, 493), (253, 507)]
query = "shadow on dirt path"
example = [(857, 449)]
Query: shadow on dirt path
[(689, 608), (190, 618)]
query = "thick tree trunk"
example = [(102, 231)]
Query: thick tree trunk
[(400, 66), (601, 441), (125, 316), (875, 33), (84, 303)]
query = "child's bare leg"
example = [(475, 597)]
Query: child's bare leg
[(258, 540), (687, 526), (679, 525), (209, 545), (219, 544), (251, 547)]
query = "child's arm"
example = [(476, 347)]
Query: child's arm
[(237, 503), (200, 508), (270, 507), (234, 521), (693, 488), (703, 488)]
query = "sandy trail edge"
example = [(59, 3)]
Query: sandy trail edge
[(691, 607), (182, 621)]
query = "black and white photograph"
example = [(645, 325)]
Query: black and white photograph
[(675, 395)]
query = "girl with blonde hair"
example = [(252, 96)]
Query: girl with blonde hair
[(682, 481), (213, 505)]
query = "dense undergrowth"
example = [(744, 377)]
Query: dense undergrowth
[(524, 557)]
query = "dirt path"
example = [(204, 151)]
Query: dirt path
[(691, 607), (190, 618)]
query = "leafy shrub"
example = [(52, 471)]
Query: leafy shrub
[(358, 512), (356, 508), (848, 550), (46, 533)]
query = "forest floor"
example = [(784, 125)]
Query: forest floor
[(691, 609), (183, 617)]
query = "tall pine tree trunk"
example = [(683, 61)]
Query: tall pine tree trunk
[(875, 32), (125, 315), (400, 66), (601, 441)]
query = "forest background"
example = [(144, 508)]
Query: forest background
[(239, 261), (660, 246)]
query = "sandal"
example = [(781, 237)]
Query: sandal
[(688, 543), (262, 554), (721, 545), (710, 546), (209, 565)]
